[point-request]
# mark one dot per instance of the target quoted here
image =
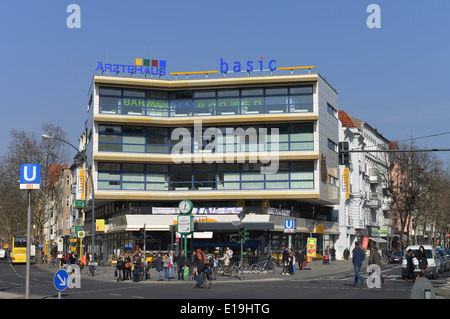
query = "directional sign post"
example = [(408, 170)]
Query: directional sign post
[(61, 280)]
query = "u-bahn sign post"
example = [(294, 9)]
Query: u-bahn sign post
[(30, 178)]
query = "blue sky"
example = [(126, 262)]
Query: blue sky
[(395, 78)]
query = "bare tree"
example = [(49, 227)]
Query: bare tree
[(408, 184), (26, 148)]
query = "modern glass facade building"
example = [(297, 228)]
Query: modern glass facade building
[(263, 144)]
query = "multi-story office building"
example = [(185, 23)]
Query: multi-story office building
[(263, 144)]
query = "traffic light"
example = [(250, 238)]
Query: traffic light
[(244, 234), (142, 233), (234, 238), (344, 155)]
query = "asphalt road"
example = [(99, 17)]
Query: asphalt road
[(255, 287)]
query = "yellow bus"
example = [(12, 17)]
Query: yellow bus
[(19, 250)]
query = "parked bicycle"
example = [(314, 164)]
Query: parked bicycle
[(233, 269), (266, 265)]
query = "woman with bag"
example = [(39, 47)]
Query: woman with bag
[(166, 266)]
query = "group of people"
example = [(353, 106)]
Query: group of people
[(422, 263), (375, 258), (289, 258), (130, 266)]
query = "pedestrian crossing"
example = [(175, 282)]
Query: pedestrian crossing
[(351, 277)]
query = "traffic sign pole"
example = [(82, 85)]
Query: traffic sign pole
[(27, 279)]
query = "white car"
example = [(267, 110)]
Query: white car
[(433, 267), (2, 254)]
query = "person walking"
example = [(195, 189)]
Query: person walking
[(423, 262), (346, 254), (409, 266), (358, 257)]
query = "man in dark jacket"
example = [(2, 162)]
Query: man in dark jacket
[(159, 267), (358, 257), (181, 263)]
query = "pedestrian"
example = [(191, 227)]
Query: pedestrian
[(137, 267), (291, 262), (159, 267), (285, 261), (119, 269), (226, 262), (375, 258), (230, 253), (423, 262), (181, 263), (127, 260), (215, 263), (346, 254), (166, 266), (358, 257), (301, 259), (333, 253), (409, 266), (171, 266), (200, 262)]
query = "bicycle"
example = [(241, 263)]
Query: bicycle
[(267, 265), (206, 278), (233, 270)]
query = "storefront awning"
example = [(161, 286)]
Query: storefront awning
[(378, 240)]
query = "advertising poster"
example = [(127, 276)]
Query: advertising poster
[(311, 247)]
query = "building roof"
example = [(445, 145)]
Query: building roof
[(346, 119), (54, 171)]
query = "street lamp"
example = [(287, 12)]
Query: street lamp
[(92, 181)]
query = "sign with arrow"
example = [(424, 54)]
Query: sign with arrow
[(61, 280)]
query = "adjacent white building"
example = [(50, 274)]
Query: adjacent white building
[(364, 210)]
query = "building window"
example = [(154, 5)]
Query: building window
[(332, 145), (207, 102), (291, 137), (331, 110), (227, 176)]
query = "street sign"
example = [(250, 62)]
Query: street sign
[(30, 176), (185, 224), (290, 225), (80, 234), (61, 280)]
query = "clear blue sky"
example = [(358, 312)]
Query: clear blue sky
[(395, 78)]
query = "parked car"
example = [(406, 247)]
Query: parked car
[(433, 266), (2, 254), (396, 256), (444, 258)]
